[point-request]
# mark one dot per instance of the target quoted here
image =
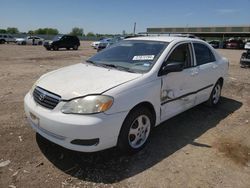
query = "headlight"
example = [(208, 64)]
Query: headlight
[(88, 105)]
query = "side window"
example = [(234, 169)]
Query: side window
[(203, 54), (181, 54)]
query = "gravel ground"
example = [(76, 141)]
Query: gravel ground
[(202, 147)]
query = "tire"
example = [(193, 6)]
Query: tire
[(40, 43), (23, 43), (68, 48), (55, 48), (48, 48), (75, 47), (135, 131), (215, 95), (2, 41)]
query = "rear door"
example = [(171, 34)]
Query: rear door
[(206, 71)]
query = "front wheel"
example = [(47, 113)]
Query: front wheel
[(2, 41), (55, 48), (135, 131), (75, 47), (215, 95)]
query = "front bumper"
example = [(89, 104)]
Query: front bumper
[(245, 61), (63, 129), (47, 45)]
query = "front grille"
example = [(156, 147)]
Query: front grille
[(45, 98)]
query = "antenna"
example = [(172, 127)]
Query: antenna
[(134, 27)]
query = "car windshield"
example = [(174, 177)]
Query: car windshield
[(136, 56), (57, 37)]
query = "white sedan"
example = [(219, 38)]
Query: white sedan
[(31, 40), (119, 95)]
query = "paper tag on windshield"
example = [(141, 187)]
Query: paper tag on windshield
[(143, 57)]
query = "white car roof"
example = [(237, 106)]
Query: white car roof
[(164, 38)]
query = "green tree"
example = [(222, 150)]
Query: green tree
[(90, 34), (76, 31), (12, 30), (46, 31), (3, 31), (30, 32)]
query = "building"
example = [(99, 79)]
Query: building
[(217, 32)]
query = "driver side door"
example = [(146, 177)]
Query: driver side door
[(178, 88)]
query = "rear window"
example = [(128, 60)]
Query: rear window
[(203, 54)]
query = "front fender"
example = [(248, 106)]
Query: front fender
[(128, 96)]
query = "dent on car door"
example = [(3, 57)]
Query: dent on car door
[(178, 89), (207, 74)]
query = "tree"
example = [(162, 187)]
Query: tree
[(3, 31), (76, 31), (90, 34), (30, 32), (46, 31), (12, 30)]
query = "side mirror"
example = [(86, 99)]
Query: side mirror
[(171, 67)]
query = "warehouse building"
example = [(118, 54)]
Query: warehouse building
[(217, 32)]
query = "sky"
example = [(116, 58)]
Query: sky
[(114, 16)]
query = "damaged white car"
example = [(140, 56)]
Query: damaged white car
[(119, 95)]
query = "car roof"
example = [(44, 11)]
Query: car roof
[(164, 39)]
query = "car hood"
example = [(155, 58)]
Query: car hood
[(83, 79)]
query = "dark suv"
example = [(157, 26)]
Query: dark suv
[(65, 41)]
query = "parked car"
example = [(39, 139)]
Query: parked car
[(31, 40), (245, 57), (234, 44), (96, 43), (6, 38), (214, 43), (106, 43), (120, 94), (64, 41), (103, 43)]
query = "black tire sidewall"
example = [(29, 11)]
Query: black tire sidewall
[(211, 101), (123, 143)]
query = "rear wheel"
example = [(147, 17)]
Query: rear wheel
[(135, 130), (215, 94)]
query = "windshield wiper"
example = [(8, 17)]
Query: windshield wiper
[(117, 67), (89, 61), (93, 63)]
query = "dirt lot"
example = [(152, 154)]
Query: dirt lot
[(202, 147)]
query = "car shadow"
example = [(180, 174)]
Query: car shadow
[(111, 166)]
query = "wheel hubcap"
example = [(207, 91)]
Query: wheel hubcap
[(139, 131), (216, 94)]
